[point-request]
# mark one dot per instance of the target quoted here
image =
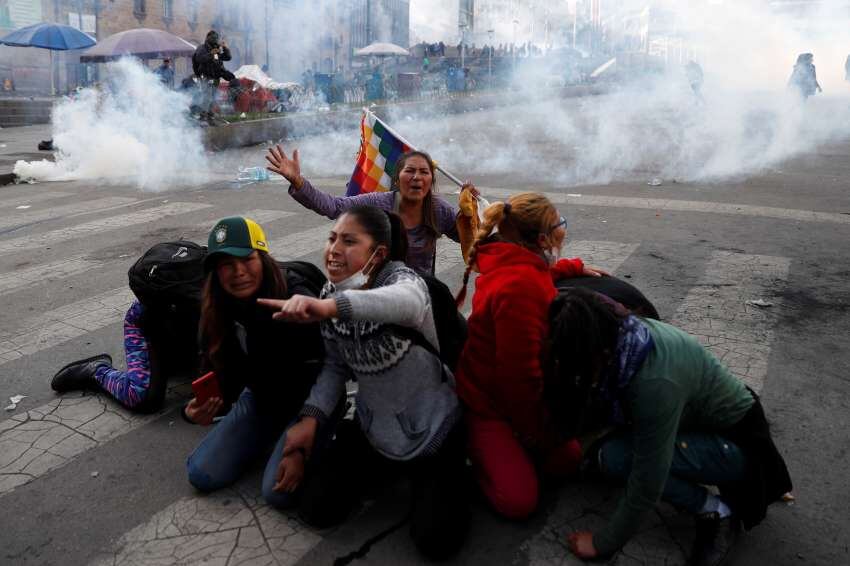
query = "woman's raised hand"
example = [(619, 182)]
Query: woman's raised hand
[(288, 168), (301, 308)]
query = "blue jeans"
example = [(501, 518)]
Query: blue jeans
[(698, 459), (234, 444)]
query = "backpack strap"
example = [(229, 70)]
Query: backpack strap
[(419, 339)]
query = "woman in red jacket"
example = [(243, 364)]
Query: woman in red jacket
[(499, 377)]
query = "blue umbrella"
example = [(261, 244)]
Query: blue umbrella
[(55, 37)]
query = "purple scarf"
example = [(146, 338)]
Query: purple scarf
[(633, 345)]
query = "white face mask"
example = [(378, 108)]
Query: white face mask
[(357, 280)]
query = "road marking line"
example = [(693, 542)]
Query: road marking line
[(62, 269), (716, 313), (23, 218), (15, 280), (47, 437), (65, 323), (30, 197), (301, 243), (98, 226), (597, 253), (684, 206), (233, 526)]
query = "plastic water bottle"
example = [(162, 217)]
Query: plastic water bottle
[(253, 174)]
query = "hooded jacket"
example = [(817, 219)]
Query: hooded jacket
[(500, 374)]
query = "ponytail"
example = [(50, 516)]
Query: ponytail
[(398, 237), (520, 219), (493, 216)]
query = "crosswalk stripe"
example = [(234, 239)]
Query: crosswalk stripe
[(31, 197), (47, 437), (62, 269), (65, 323), (22, 218), (25, 278), (97, 226), (230, 526), (301, 243), (674, 205), (608, 256), (716, 312)]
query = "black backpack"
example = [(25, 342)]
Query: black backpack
[(167, 280), (169, 276), (449, 322), (303, 273)]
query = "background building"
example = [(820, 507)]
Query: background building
[(291, 36)]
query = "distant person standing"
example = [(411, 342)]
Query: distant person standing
[(695, 78), (208, 66), (165, 72), (208, 60), (804, 77)]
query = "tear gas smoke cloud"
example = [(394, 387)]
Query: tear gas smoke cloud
[(657, 126), (133, 128)]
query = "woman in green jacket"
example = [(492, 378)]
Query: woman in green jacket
[(681, 422)]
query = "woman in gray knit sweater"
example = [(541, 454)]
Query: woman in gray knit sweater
[(406, 408)]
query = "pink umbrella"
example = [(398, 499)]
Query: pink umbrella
[(144, 43)]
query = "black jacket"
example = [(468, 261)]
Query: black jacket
[(277, 361), (205, 64)]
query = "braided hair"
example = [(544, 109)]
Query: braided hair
[(520, 219), (583, 333)]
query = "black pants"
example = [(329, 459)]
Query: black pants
[(439, 511)]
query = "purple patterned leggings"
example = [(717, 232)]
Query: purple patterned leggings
[(130, 387)]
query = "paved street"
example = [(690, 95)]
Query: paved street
[(83, 481)]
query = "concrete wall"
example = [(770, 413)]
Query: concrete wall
[(289, 126), (24, 111)]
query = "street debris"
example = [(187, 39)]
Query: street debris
[(654, 182), (573, 194), (95, 473), (14, 400), (789, 498), (252, 174), (23, 207), (760, 303)]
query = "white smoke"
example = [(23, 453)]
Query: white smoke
[(132, 129), (652, 124)]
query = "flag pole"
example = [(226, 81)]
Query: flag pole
[(411, 146)]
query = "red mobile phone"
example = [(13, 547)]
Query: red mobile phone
[(206, 387)]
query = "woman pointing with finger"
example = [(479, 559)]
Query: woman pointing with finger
[(378, 328)]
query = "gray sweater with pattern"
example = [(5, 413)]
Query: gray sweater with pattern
[(405, 407)]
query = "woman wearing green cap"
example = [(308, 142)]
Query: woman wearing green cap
[(272, 363)]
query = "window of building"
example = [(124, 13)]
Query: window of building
[(168, 9), (139, 7)]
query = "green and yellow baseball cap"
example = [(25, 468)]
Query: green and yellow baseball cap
[(237, 236)]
